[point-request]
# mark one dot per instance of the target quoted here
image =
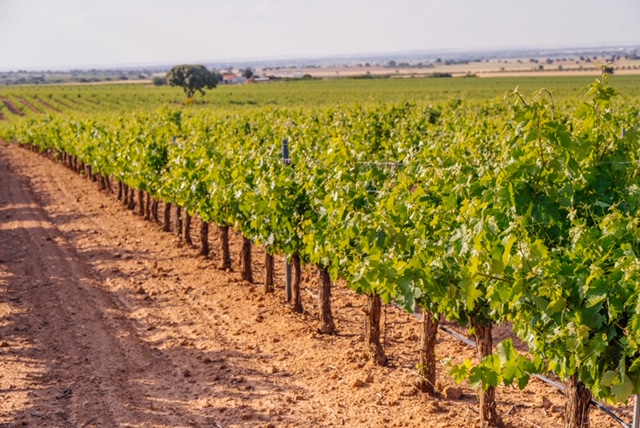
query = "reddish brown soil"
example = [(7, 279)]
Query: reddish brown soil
[(47, 105), (30, 106), (62, 104), (12, 108), (105, 321)]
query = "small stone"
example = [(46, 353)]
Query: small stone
[(186, 373), (141, 290), (453, 392), (358, 383)]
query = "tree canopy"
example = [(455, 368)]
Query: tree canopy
[(192, 78)]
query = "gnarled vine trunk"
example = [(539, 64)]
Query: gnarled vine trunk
[(147, 207), (489, 416), (178, 223), (327, 325), (246, 272), (204, 239), (120, 191), (225, 263), (187, 228), (372, 329), (577, 399), (166, 224), (295, 285), (141, 202), (154, 210), (268, 274), (125, 198), (428, 363), (132, 199)]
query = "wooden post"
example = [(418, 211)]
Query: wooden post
[(287, 272)]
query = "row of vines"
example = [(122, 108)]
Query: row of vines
[(519, 211)]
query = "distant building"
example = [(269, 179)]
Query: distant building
[(232, 79)]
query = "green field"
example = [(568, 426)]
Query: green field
[(296, 94)]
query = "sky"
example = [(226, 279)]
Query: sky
[(66, 34)]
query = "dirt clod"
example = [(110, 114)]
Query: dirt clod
[(453, 392)]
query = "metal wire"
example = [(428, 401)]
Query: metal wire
[(545, 379)]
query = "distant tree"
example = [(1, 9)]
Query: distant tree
[(247, 72), (391, 64), (159, 81), (192, 78)]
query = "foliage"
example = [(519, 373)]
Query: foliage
[(159, 81), (191, 78)]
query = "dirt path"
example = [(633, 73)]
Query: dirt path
[(11, 107), (105, 321)]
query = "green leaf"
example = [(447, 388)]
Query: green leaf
[(623, 390), (460, 372)]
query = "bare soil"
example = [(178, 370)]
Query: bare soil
[(47, 105), (106, 321), (11, 107), (30, 106)]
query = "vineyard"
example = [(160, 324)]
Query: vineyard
[(520, 213)]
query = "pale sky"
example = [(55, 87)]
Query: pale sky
[(43, 34)]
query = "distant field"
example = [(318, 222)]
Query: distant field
[(31, 100)]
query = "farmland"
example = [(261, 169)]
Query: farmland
[(296, 94), (459, 196)]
